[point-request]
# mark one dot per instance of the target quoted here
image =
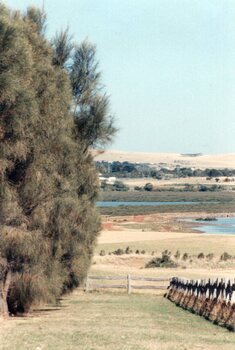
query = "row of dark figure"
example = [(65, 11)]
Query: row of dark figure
[(212, 288)]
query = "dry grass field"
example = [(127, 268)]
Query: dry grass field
[(114, 321), (178, 183), (155, 233)]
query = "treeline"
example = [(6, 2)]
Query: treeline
[(52, 111), (149, 187), (136, 170)]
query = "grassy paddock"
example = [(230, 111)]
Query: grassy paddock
[(114, 321), (196, 244)]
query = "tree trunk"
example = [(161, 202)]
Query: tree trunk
[(4, 288)]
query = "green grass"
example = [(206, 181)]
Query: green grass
[(217, 202), (221, 207), (167, 196), (114, 321)]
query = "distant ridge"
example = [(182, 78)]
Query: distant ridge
[(193, 160), (191, 154)]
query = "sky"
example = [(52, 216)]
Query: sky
[(168, 66)]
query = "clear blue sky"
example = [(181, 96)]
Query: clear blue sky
[(168, 65)]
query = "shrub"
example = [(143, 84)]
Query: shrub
[(213, 188), (119, 251), (225, 256), (210, 256), (119, 186), (185, 256), (163, 261), (207, 218), (203, 188), (104, 186), (177, 254), (102, 252), (201, 256), (148, 187)]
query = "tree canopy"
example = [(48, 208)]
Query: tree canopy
[(52, 110)]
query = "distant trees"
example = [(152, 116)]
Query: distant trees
[(120, 186), (140, 170), (51, 111), (115, 186)]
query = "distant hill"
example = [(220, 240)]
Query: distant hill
[(171, 159)]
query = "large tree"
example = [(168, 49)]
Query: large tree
[(51, 113)]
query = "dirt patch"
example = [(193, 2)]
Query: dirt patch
[(139, 218)]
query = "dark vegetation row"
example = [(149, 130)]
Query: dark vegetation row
[(120, 186), (137, 170), (124, 210), (167, 259), (167, 196), (210, 202)]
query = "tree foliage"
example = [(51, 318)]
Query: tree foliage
[(63, 46), (48, 183), (94, 124)]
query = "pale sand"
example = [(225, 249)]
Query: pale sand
[(139, 236), (171, 159), (178, 182)]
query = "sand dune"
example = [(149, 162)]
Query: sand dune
[(138, 236), (171, 159)]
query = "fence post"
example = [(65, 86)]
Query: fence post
[(87, 284), (129, 284)]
